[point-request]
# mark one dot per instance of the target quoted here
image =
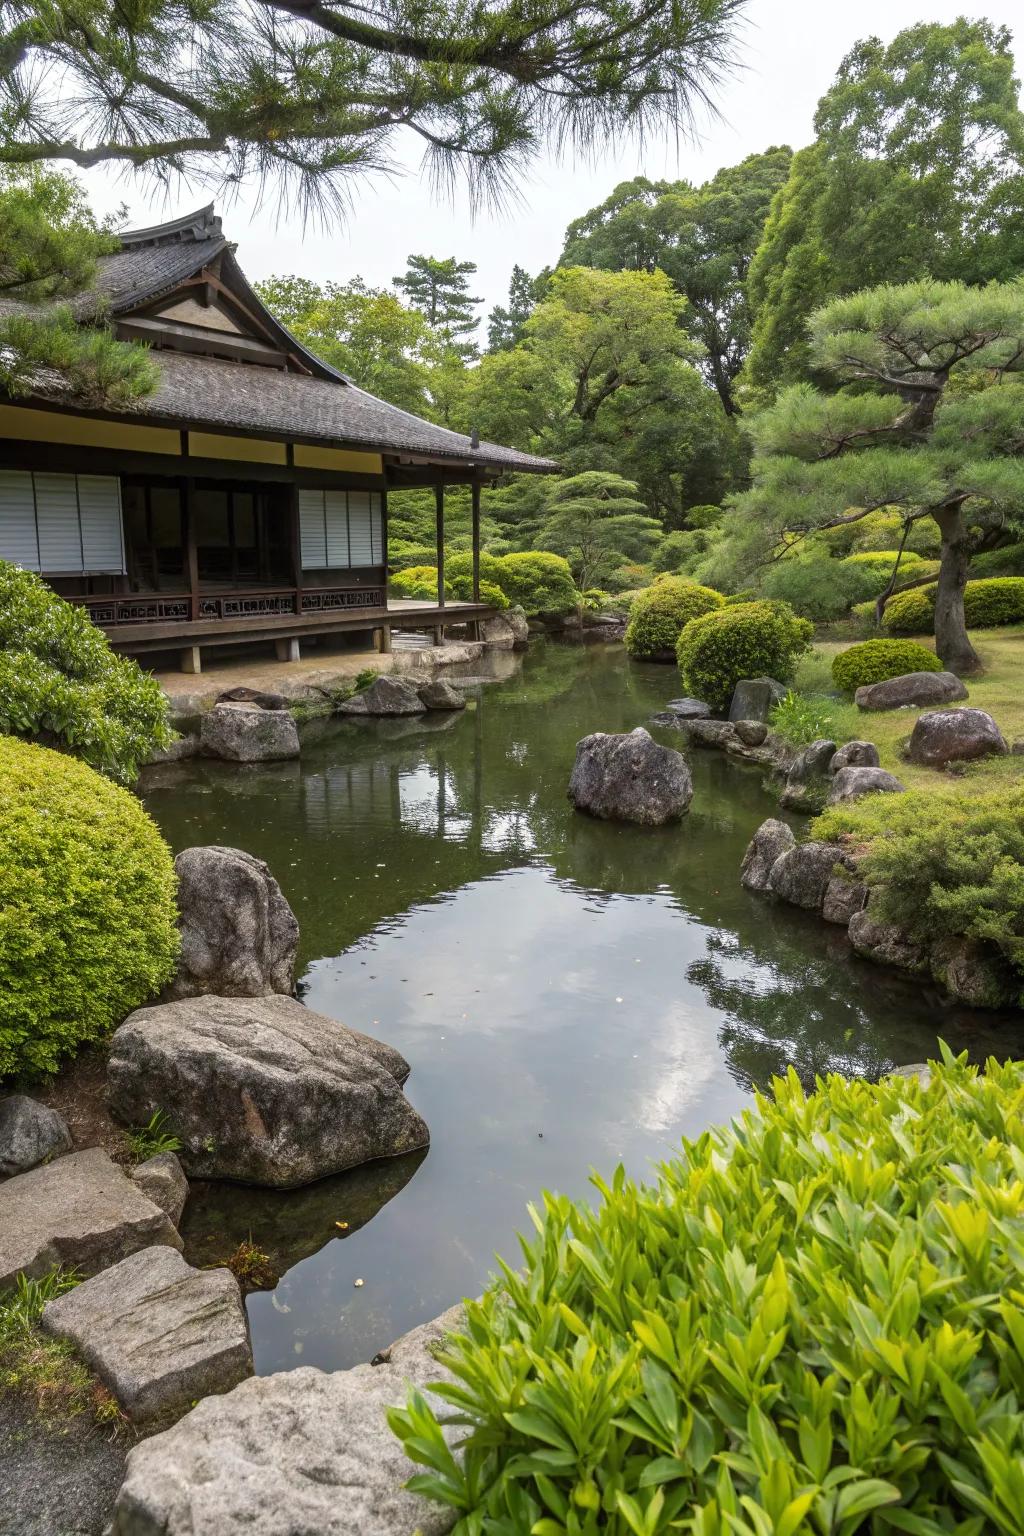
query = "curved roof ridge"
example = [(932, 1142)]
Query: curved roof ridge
[(201, 225)]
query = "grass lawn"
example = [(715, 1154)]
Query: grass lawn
[(999, 690)]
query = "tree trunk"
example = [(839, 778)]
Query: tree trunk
[(951, 642)]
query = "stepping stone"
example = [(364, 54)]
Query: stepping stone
[(158, 1333), (30, 1133), (80, 1212)]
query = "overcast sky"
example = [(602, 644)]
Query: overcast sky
[(790, 52)]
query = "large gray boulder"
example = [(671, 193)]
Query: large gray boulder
[(161, 1179), (244, 733), (806, 783), (385, 696), (911, 689), (752, 733), (955, 736), (844, 896), (851, 783), (239, 936), (855, 754), (292, 1454), (771, 840), (30, 1133), (440, 695), (753, 698), (630, 778), (802, 875), (158, 1333), (975, 973), (886, 943), (80, 1212), (262, 1090), (507, 631)]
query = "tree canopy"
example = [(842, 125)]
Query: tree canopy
[(439, 289), (314, 92), (917, 170), (505, 324)]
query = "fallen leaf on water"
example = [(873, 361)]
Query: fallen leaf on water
[(342, 1226)]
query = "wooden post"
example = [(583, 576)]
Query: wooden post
[(384, 540), (296, 543), (191, 548), (439, 503), (476, 543)]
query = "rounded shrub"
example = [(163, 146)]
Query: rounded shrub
[(88, 919), (660, 613), (988, 603), (761, 639), (538, 582), (872, 569), (816, 586), (61, 683), (418, 581), (911, 613), (809, 1323), (872, 661)]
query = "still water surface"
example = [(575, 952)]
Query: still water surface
[(569, 993)]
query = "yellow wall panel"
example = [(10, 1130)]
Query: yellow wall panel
[(343, 459), (31, 426), (248, 450)]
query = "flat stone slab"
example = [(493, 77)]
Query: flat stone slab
[(292, 1454), (158, 1333), (688, 709), (30, 1133), (80, 1212)]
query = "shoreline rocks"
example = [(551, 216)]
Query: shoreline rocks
[(386, 695), (851, 783), (910, 690), (771, 840), (30, 1133), (630, 777), (239, 936), (754, 698), (806, 783), (247, 733)]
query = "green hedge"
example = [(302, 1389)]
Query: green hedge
[(987, 603), (873, 569), (761, 639), (659, 614), (812, 1323), (418, 581), (945, 864), (61, 683), (872, 661), (87, 907), (538, 582)]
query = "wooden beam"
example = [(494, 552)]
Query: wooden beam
[(296, 545), (188, 507), (476, 543), (439, 503)]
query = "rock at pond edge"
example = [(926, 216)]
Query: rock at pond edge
[(629, 777)]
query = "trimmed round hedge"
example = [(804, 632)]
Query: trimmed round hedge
[(661, 612), (988, 603), (810, 1322), (761, 639), (872, 661), (537, 582), (88, 918), (61, 682)]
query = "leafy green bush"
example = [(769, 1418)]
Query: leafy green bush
[(987, 603), (420, 582), (811, 1323), (61, 682), (402, 554), (945, 864), (801, 720), (873, 569), (659, 614), (816, 586), (872, 661), (538, 582), (1008, 561), (88, 919), (749, 640)]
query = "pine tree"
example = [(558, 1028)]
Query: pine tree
[(505, 325), (439, 289)]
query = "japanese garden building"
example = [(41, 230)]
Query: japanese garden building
[(246, 499)]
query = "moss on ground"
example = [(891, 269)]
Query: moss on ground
[(46, 1372)]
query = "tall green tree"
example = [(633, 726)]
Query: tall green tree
[(598, 522), (50, 244), (368, 333), (928, 417), (317, 91), (703, 237), (505, 324), (917, 169), (439, 289)]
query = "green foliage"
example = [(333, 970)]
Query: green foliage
[(418, 581), (45, 1370), (873, 569), (809, 1323), (816, 586), (598, 522), (439, 289), (505, 324), (88, 918), (538, 583), (872, 661), (1007, 561), (988, 603), (762, 639), (152, 1138), (61, 682), (801, 720), (660, 613), (942, 863), (49, 247)]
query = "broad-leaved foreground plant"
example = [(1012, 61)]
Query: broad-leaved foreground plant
[(812, 1322)]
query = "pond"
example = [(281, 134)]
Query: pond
[(569, 993)]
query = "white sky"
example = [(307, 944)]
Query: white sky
[(790, 54)]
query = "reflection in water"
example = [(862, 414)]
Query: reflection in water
[(568, 992)]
